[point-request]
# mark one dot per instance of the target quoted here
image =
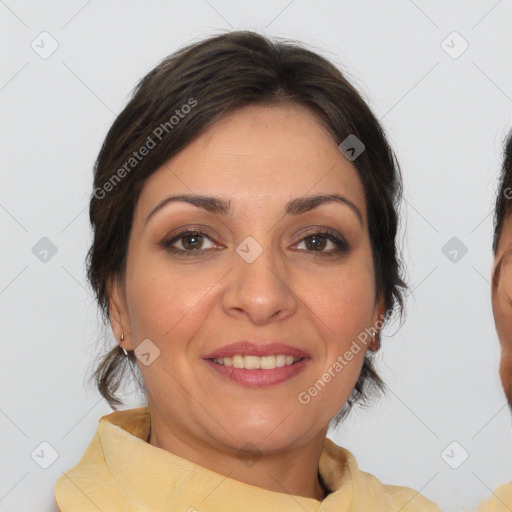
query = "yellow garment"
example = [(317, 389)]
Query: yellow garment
[(501, 501), (121, 471)]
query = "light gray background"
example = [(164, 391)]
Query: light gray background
[(446, 117)]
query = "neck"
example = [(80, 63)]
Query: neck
[(288, 470)]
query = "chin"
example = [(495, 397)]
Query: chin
[(265, 438), (261, 445)]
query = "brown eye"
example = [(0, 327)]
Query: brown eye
[(324, 243), (189, 243), (315, 243)]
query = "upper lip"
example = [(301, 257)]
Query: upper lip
[(248, 348)]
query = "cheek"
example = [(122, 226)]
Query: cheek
[(502, 300), (166, 300), (341, 306), (502, 310), (344, 300)]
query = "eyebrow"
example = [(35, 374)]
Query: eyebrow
[(223, 207)]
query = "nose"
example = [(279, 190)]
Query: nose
[(259, 291)]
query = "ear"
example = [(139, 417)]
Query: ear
[(118, 312), (378, 317)]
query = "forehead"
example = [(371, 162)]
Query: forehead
[(258, 155)]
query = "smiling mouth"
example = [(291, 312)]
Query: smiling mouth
[(256, 362)]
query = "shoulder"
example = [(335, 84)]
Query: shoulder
[(368, 491), (90, 482), (500, 501)]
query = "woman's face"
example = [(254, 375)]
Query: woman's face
[(254, 273), (502, 303)]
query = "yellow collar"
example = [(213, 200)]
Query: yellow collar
[(120, 470)]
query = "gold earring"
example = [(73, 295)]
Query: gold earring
[(124, 350)]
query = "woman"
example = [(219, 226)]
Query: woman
[(244, 253), (502, 303)]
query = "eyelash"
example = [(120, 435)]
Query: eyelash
[(341, 244)]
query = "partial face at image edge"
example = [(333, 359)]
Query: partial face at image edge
[(502, 273), (502, 304)]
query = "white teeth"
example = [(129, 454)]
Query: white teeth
[(238, 361), (252, 362), (255, 362), (267, 362), (280, 360)]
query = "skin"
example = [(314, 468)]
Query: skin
[(259, 158), (502, 303)]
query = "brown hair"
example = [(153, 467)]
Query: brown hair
[(214, 77)]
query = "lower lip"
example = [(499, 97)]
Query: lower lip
[(259, 378)]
